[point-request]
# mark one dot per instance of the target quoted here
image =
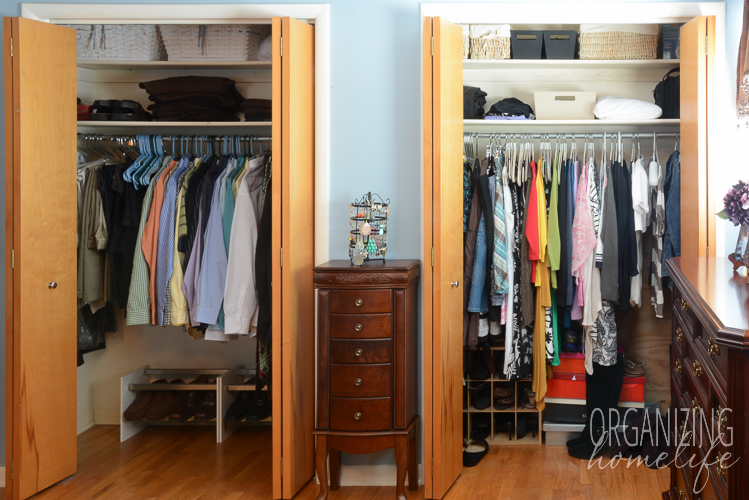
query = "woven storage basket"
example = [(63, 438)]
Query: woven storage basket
[(131, 42), (489, 41), (215, 42), (466, 41), (618, 45)]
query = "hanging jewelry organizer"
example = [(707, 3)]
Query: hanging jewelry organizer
[(369, 231)]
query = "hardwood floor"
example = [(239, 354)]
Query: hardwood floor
[(185, 463)]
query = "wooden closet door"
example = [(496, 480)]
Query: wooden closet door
[(293, 259), (40, 255), (443, 237), (697, 40)]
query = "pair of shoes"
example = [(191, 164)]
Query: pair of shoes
[(504, 423), (189, 402), (242, 405), (153, 405), (480, 394), (504, 397), (176, 405), (633, 368), (122, 111), (525, 424), (261, 408)]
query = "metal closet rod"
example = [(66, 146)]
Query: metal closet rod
[(178, 137), (613, 135)]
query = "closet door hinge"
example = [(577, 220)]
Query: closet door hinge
[(12, 462), (431, 48), (432, 467), (281, 46), (12, 258), (432, 256), (282, 266), (11, 46), (281, 466)]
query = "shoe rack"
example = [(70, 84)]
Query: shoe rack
[(227, 383), (497, 435)]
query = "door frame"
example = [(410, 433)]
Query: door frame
[(316, 14), (559, 13)]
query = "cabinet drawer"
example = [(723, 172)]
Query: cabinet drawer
[(361, 301), (696, 372), (347, 414), (360, 326), (360, 351), (361, 381)]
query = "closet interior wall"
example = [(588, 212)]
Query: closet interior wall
[(135, 346)]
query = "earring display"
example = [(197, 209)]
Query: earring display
[(369, 231)]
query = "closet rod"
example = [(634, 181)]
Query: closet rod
[(574, 136), (254, 138)]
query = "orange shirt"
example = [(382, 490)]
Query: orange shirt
[(150, 242)]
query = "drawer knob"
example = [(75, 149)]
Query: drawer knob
[(679, 334), (720, 414), (713, 349), (358, 302), (722, 468), (678, 367), (358, 327), (696, 406), (357, 382), (697, 369), (684, 305), (52, 285), (358, 352), (357, 415), (682, 494), (455, 283)]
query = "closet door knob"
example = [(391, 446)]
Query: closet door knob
[(679, 334), (357, 415), (358, 302), (357, 382), (358, 352), (52, 285), (358, 327), (455, 283), (697, 369)]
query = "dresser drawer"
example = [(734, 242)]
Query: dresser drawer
[(707, 482), (361, 381), (361, 301), (360, 326), (678, 333), (715, 355), (360, 351), (347, 414), (684, 311), (677, 369)]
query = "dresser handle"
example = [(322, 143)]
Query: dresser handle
[(678, 367), (358, 327), (358, 352), (722, 468), (720, 413), (357, 382), (358, 302), (713, 349), (684, 305), (357, 415), (679, 334), (683, 494), (697, 369), (696, 406)]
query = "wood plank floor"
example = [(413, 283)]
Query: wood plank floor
[(185, 463)]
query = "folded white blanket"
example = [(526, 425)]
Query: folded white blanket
[(619, 108)]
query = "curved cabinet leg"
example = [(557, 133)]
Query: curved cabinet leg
[(334, 459), (321, 463), (401, 458)]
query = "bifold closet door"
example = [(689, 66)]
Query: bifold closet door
[(40, 255), (697, 40), (443, 245), (293, 188)]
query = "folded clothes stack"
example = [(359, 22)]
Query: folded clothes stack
[(194, 99), (257, 110)]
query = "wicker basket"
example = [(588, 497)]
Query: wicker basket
[(131, 42), (466, 41), (618, 45), (214, 42), (489, 41)]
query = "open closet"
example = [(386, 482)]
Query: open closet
[(448, 409), (43, 80)]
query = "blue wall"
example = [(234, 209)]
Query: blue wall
[(375, 122)]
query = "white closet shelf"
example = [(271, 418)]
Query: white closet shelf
[(570, 64), (501, 125), (161, 65), (120, 124)]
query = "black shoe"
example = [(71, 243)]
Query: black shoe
[(260, 409), (587, 449), (241, 406)]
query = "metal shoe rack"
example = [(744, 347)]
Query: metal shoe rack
[(229, 382), (495, 436)]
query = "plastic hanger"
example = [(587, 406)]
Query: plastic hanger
[(653, 168)]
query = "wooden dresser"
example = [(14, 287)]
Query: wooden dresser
[(709, 380), (366, 365)]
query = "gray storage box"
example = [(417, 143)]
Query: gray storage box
[(560, 44), (527, 44), (557, 433)]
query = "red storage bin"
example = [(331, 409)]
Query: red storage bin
[(84, 112), (572, 386)]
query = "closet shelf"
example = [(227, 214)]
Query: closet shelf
[(152, 125), (171, 387), (571, 126), (570, 64), (162, 65)]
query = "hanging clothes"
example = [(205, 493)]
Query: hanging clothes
[(659, 230), (672, 236)]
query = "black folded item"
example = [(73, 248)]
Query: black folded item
[(180, 87), (474, 100), (257, 110), (511, 107)]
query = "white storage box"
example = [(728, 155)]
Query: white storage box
[(557, 434), (564, 105)]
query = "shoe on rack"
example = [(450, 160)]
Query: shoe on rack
[(261, 408), (504, 397), (188, 402), (241, 406), (481, 396), (207, 407), (138, 408), (164, 403)]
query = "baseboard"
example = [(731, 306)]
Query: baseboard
[(371, 475), (107, 416), (85, 421)]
